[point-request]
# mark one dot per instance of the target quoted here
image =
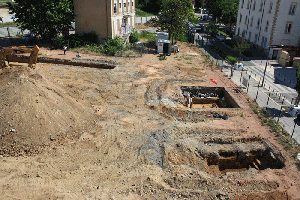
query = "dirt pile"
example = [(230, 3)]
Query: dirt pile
[(37, 110)]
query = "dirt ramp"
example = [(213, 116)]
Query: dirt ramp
[(36, 111)]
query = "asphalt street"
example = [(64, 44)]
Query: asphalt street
[(275, 96)]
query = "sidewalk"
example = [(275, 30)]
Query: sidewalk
[(273, 104)]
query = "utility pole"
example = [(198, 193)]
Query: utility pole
[(263, 81)]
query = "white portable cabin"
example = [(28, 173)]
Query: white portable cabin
[(161, 36), (164, 46)]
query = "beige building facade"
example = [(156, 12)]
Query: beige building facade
[(269, 23), (108, 18)]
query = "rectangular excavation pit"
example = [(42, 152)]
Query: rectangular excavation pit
[(208, 97), (229, 161)]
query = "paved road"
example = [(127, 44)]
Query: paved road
[(273, 105), (276, 100), (14, 31), (285, 88)]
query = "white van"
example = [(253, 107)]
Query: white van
[(238, 66)]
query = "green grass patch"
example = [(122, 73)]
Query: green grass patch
[(223, 33), (3, 4), (140, 13), (8, 24), (147, 35)]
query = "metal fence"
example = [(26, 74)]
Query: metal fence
[(143, 20), (204, 45)]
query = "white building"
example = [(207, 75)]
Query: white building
[(108, 18), (269, 22)]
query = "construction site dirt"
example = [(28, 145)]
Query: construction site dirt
[(73, 132)]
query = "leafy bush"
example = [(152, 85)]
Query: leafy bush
[(223, 33), (75, 40), (147, 35), (163, 57), (140, 13), (59, 42), (232, 59), (183, 37), (113, 46), (134, 36)]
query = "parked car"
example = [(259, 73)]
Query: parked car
[(28, 36), (220, 37)]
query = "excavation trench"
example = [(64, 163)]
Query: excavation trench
[(102, 64), (208, 97), (261, 156)]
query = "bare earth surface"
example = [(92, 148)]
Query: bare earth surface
[(71, 132)]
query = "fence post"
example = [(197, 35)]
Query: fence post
[(256, 96), (248, 86), (279, 114), (268, 98)]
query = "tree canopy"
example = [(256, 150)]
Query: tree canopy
[(174, 15), (224, 10), (44, 18), (149, 5)]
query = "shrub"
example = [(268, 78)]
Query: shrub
[(163, 57), (114, 45), (183, 37), (147, 35), (59, 42), (134, 36), (232, 59)]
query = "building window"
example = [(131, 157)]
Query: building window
[(128, 5), (270, 8), (256, 39), (261, 6), (248, 5), (262, 41), (254, 5), (124, 5), (258, 23), (120, 5), (251, 23), (244, 33), (115, 8), (292, 8), (288, 27), (267, 26), (246, 18), (132, 4), (242, 5), (249, 36), (238, 33), (241, 18)]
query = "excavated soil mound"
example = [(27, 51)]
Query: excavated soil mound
[(36, 111)]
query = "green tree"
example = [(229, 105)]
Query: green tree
[(297, 88), (241, 46), (43, 18), (198, 3), (173, 17), (223, 10)]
